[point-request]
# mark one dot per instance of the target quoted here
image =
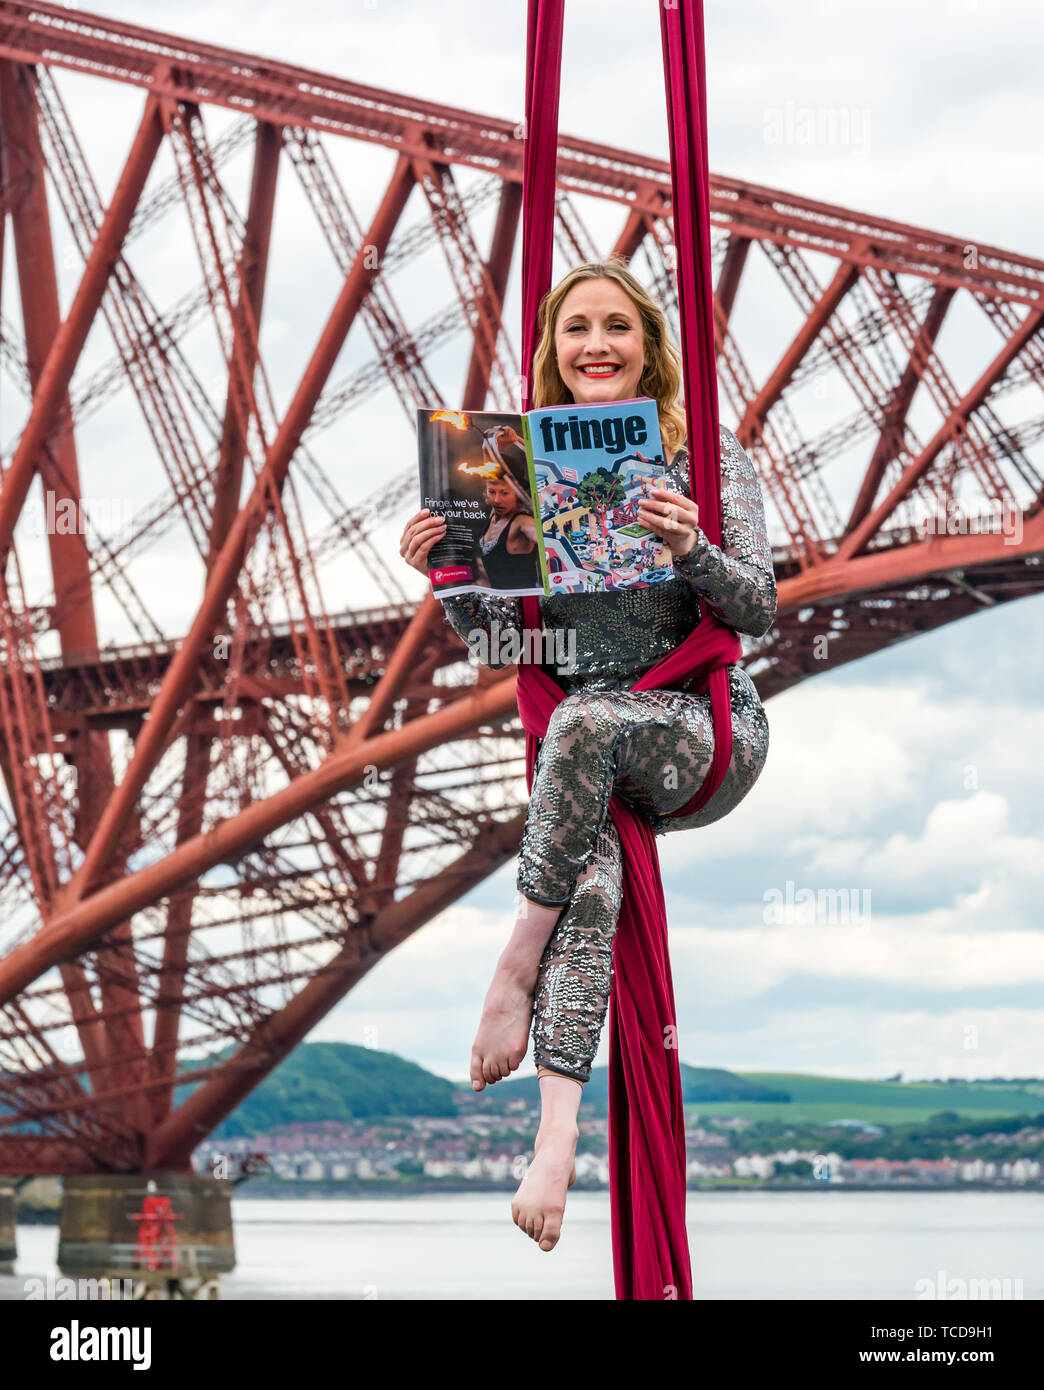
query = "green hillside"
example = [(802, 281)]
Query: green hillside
[(820, 1099), (342, 1082), (705, 1086), (336, 1081)]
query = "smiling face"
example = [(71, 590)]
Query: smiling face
[(599, 326)]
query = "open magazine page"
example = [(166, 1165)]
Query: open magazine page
[(593, 465), (475, 473)]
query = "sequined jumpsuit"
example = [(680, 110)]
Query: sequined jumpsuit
[(653, 747)]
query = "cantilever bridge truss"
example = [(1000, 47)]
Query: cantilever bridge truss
[(242, 756)]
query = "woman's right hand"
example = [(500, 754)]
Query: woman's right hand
[(421, 533)]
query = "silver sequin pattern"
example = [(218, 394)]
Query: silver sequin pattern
[(654, 747)]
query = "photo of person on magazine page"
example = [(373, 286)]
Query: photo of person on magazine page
[(506, 555), (475, 479)]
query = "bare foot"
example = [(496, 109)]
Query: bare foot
[(539, 1203), (503, 1031)]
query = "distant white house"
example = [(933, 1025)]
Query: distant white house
[(754, 1166)]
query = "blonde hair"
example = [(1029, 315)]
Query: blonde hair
[(661, 377)]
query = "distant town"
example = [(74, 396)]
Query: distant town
[(340, 1120), (485, 1150)]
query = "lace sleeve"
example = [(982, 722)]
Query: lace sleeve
[(737, 580), (482, 621)]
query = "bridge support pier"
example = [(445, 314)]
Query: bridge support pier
[(169, 1232), (7, 1227)]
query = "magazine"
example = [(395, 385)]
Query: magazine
[(545, 502)]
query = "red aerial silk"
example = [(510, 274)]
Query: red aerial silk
[(646, 1123)]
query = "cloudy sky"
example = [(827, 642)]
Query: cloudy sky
[(913, 776)]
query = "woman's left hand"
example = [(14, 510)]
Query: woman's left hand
[(673, 516)]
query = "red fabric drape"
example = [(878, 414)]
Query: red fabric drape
[(646, 1125)]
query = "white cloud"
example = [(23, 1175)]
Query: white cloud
[(969, 1042), (969, 835), (925, 954), (835, 1040)]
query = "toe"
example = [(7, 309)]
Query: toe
[(549, 1233)]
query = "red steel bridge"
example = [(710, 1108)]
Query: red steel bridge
[(243, 758)]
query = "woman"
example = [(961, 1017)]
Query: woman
[(604, 339), (505, 555)]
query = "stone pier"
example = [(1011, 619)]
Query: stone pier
[(155, 1225), (7, 1226)]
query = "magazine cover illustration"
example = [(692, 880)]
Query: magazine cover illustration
[(592, 467), (474, 472)]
